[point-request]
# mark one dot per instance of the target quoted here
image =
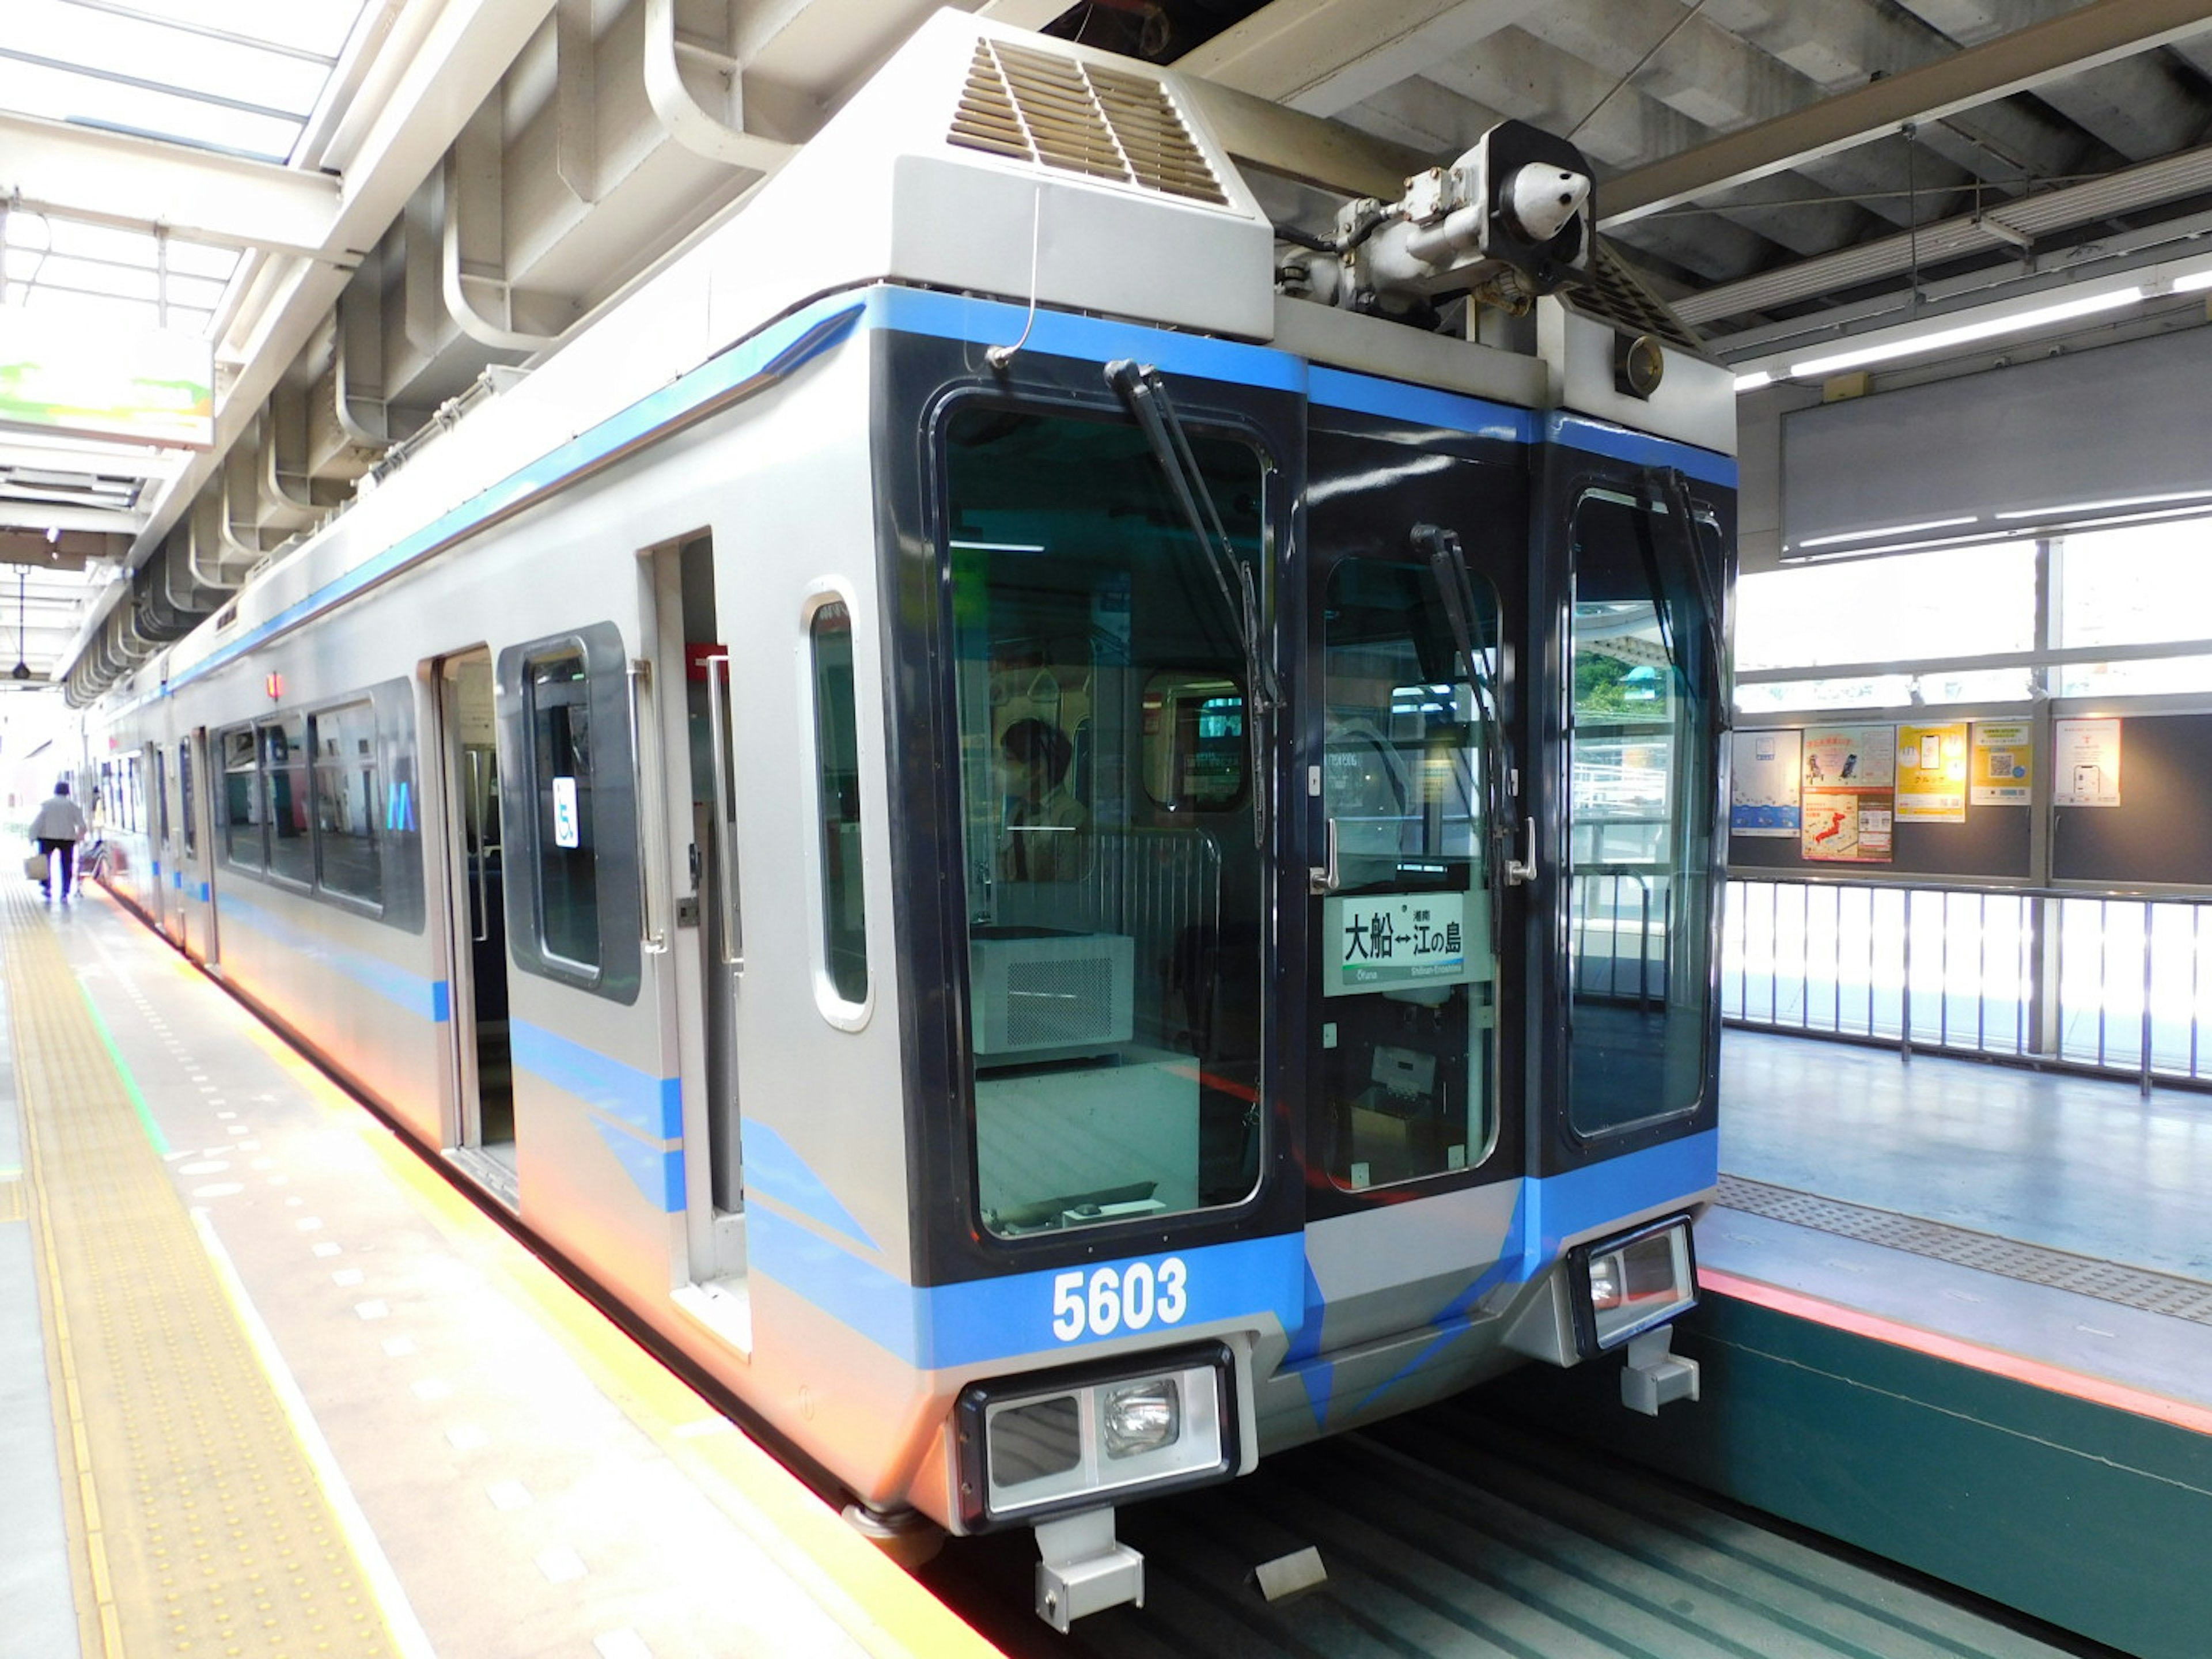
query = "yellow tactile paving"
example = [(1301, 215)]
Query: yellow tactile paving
[(199, 1526)]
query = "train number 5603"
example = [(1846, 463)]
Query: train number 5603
[(1110, 1299)]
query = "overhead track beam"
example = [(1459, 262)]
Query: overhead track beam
[(1323, 56), (2100, 32)]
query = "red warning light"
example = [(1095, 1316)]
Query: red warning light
[(274, 686)]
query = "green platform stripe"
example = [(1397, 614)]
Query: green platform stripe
[(161, 1142)]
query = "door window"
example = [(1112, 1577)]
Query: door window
[(1405, 953)]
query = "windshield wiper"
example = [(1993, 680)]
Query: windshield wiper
[(1141, 388), (1447, 560), (1672, 491)]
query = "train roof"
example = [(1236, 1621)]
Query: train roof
[(978, 159)]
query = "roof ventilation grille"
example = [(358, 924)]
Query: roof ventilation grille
[(1080, 118)]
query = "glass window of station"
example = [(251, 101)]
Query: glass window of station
[(1114, 889)]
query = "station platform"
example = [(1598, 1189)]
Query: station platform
[(270, 1386), (1958, 1315)]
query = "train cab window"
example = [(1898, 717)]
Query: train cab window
[(1408, 964), (346, 802), (557, 691), (1115, 896), (837, 794), (243, 803), (284, 761), (1640, 822)]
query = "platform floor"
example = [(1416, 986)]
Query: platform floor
[(268, 1385), (1934, 1168)]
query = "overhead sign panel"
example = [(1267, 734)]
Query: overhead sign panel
[(153, 387)]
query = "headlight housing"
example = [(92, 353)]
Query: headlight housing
[(1624, 1285), (1031, 1448)]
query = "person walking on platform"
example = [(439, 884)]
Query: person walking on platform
[(58, 828)]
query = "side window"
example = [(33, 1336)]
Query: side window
[(242, 800), (570, 804), (837, 788), (285, 758), (347, 800)]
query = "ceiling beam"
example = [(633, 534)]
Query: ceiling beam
[(1323, 56), (113, 178), (2100, 32), (2005, 224), (53, 515), (459, 63)]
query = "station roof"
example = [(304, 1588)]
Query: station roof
[(358, 207)]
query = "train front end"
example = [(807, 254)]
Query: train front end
[(1305, 666)]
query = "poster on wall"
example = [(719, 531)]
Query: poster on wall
[(1763, 769), (1931, 773), (2085, 761), (2000, 763), (1848, 789)]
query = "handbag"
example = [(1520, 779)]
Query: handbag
[(34, 867)]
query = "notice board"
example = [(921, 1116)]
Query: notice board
[(2161, 829)]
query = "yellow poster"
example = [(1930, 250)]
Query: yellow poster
[(1931, 773), (2001, 763)]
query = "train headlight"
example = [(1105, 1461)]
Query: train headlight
[(1143, 1417), (1031, 1448), (1627, 1284)]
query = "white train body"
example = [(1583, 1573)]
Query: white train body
[(627, 797)]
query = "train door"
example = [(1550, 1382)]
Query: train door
[(168, 893), (708, 955), (483, 1127), (1417, 579), (195, 863)]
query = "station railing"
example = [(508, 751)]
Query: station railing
[(2114, 983)]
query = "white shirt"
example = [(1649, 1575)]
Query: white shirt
[(59, 819)]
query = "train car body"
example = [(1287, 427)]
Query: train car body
[(1064, 867)]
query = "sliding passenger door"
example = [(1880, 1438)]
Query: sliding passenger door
[(696, 716), (483, 1128)]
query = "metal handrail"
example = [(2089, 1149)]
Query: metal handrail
[(2049, 970)]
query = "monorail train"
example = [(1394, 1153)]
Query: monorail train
[(1054, 803)]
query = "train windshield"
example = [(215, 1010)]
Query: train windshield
[(1114, 889), (1641, 805)]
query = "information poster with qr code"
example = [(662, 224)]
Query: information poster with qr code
[(2002, 774), (1931, 773)]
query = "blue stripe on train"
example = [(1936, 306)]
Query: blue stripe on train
[(981, 1321), (427, 999)]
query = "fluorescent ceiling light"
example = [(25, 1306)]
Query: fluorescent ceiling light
[(1886, 530), (2190, 283), (2106, 507), (1752, 381), (1988, 328)]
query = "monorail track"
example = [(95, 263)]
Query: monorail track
[(1456, 1532)]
